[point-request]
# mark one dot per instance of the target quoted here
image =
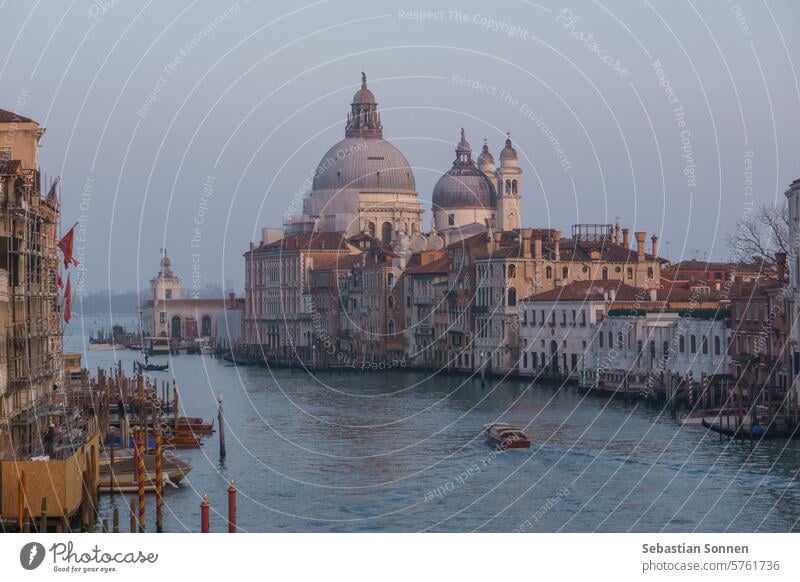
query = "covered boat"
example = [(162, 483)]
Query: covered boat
[(506, 436)]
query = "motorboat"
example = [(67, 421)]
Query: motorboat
[(506, 436)]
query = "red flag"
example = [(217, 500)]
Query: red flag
[(68, 301), (65, 244)]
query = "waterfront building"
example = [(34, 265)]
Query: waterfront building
[(426, 288), (658, 350), (759, 336), (363, 184), (612, 336), (532, 261), (461, 257), (557, 327), (31, 370), (376, 309), (278, 305), (45, 461), (168, 313), (793, 294), (329, 289)]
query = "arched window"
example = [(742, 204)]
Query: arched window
[(630, 273), (386, 232), (512, 297), (693, 344), (619, 340), (390, 302), (508, 186), (514, 187), (371, 228), (682, 344), (705, 345), (564, 272), (717, 347), (649, 272), (205, 326), (605, 273), (390, 280), (390, 327), (176, 327), (512, 271), (548, 272)]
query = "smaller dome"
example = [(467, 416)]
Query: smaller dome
[(364, 95), (485, 159), (464, 185), (509, 154), (463, 188)]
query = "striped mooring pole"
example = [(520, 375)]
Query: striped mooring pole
[(139, 445), (159, 484)]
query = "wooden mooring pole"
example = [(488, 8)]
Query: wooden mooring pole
[(140, 476), (221, 422), (159, 482)]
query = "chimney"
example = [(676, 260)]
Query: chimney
[(616, 233), (537, 246), (612, 294), (640, 236), (526, 242), (625, 241), (232, 297), (654, 241), (780, 266), (653, 294), (557, 241)]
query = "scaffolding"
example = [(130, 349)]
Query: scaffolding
[(31, 350)]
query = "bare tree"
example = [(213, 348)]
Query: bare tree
[(761, 233)]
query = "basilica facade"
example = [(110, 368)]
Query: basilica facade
[(365, 185)]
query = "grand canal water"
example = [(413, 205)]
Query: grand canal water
[(401, 451)]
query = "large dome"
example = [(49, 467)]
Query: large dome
[(364, 164), (464, 188)]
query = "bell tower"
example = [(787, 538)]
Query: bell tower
[(165, 285), (509, 189)]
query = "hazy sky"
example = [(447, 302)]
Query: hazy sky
[(169, 121)]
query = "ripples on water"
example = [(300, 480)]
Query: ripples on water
[(392, 451)]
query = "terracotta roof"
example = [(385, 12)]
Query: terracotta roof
[(441, 266), (307, 241), (696, 265), (11, 117), (592, 291), (340, 263)]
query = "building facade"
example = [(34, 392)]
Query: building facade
[(31, 369), (168, 314)]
